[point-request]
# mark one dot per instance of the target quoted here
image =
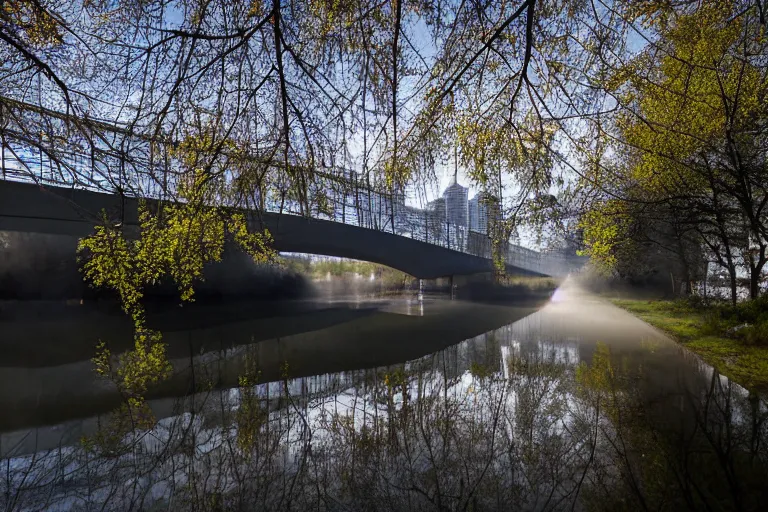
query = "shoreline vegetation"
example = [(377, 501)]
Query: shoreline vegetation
[(386, 281), (731, 338)]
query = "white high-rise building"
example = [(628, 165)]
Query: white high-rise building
[(478, 213), (455, 196)]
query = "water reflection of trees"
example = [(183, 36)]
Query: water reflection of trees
[(696, 447), (489, 424)]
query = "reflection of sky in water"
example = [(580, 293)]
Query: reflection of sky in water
[(407, 305)]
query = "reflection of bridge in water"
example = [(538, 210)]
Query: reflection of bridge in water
[(63, 191)]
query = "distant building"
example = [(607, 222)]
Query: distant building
[(482, 209), (456, 215), (478, 215), (456, 211), (450, 219)]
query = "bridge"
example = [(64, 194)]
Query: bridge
[(64, 191), (31, 208)]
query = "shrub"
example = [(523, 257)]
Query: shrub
[(713, 324), (753, 311), (756, 334), (682, 305), (698, 302)]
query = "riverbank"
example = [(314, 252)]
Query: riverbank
[(509, 290), (712, 332)]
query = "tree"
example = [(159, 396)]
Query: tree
[(692, 128)]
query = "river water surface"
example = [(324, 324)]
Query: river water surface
[(565, 403)]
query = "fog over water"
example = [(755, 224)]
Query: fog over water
[(380, 404)]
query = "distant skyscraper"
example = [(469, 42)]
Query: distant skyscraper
[(477, 222), (479, 207), (456, 213)]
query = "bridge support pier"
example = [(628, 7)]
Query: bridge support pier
[(453, 289)]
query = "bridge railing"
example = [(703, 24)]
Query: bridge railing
[(332, 194)]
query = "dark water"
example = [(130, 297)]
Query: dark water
[(394, 404)]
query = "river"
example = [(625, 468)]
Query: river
[(565, 403)]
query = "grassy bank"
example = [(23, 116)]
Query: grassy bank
[(730, 338), (509, 289), (531, 282)]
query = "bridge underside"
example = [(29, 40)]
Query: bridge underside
[(30, 208)]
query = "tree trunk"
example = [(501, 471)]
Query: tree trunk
[(688, 289), (754, 283), (755, 272)]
